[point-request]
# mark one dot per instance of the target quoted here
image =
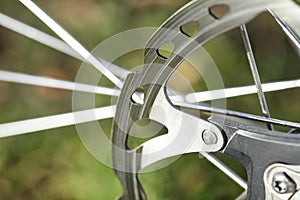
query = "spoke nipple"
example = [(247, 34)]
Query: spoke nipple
[(282, 183), (209, 137)]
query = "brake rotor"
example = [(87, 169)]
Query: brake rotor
[(213, 17)]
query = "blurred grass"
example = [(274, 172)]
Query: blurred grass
[(54, 164)]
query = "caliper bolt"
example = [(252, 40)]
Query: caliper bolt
[(209, 137), (282, 183)]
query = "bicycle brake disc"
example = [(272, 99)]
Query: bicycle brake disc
[(230, 137)]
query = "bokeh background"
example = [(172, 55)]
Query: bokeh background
[(54, 164)]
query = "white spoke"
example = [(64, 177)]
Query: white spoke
[(71, 41), (288, 31), (240, 91), (55, 83), (242, 196), (215, 161), (37, 35), (52, 42), (207, 108), (55, 121)]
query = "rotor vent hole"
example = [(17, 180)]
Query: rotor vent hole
[(165, 51), (138, 96), (219, 11), (190, 29)]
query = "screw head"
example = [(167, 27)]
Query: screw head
[(209, 137), (282, 183)]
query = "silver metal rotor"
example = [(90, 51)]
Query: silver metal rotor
[(215, 18)]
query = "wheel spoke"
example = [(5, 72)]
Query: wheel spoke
[(288, 31), (35, 34), (64, 35), (240, 91), (55, 121), (242, 196), (55, 83), (190, 98), (255, 74), (207, 108), (53, 42), (224, 168)]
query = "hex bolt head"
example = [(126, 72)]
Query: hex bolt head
[(209, 137), (282, 183)]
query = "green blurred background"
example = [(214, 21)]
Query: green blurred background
[(54, 164)]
